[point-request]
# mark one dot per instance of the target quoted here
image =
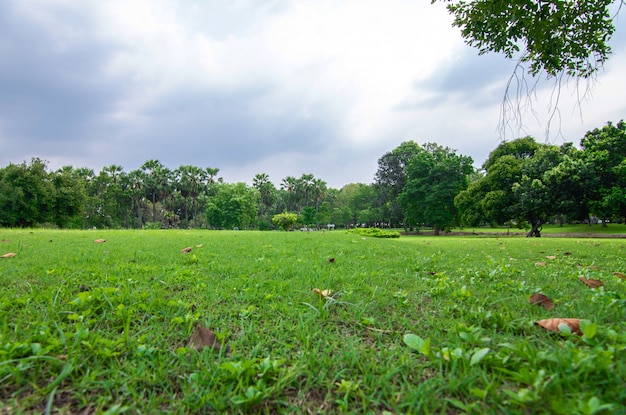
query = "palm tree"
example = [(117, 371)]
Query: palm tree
[(137, 179), (290, 185), (306, 182), (191, 183), (266, 190), (152, 170), (318, 191)]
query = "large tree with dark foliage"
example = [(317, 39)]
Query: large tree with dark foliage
[(433, 178)]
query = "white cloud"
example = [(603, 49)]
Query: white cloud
[(297, 86)]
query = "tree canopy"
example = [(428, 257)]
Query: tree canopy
[(562, 36), (521, 183)]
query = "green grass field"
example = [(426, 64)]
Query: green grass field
[(552, 230), (414, 325)]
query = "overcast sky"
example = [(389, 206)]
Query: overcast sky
[(282, 87)]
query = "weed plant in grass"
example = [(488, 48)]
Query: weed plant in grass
[(414, 325)]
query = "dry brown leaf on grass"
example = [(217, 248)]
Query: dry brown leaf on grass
[(591, 283), (99, 241), (593, 267), (8, 255), (199, 246), (323, 293), (553, 324), (203, 338), (6, 240), (185, 250), (540, 264), (542, 300), (620, 274), (550, 257)]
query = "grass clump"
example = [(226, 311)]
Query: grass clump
[(409, 325), (375, 232)]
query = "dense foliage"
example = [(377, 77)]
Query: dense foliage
[(557, 37), (522, 183)]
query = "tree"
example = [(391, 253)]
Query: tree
[(27, 194), (289, 187), (564, 36), (354, 204), (155, 175), (490, 199), (535, 201), (267, 194), (390, 178), (190, 184), (604, 150), (568, 36), (233, 206), (573, 184), (137, 179), (69, 194), (561, 38), (434, 178)]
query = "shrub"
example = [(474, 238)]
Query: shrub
[(375, 232), (285, 220)]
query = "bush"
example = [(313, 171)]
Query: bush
[(375, 232), (285, 220)]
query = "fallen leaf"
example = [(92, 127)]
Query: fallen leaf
[(8, 255), (185, 250), (620, 274), (550, 257), (203, 338), (592, 267), (199, 246), (591, 283), (552, 324), (512, 259), (6, 240), (331, 260), (540, 264), (542, 300), (323, 293), (99, 241)]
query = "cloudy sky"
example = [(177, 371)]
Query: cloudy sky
[(282, 87)]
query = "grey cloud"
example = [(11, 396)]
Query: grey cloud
[(467, 79), (207, 126), (52, 90)]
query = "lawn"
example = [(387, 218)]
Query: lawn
[(413, 325), (556, 230)]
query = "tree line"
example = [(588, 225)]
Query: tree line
[(522, 183)]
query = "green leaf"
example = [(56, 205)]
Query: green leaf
[(417, 343), (588, 328), (478, 356), (564, 328)]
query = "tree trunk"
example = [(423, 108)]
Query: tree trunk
[(436, 230), (535, 230), (139, 211), (153, 207)]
